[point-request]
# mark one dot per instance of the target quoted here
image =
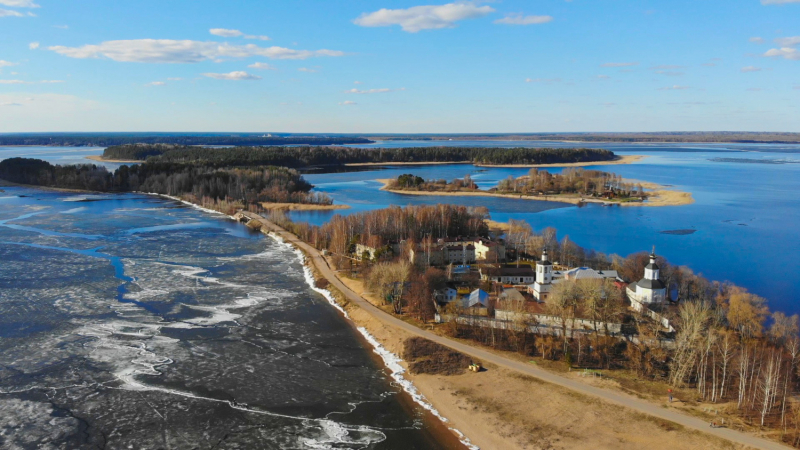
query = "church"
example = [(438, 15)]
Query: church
[(649, 290)]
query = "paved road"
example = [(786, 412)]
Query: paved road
[(527, 369)]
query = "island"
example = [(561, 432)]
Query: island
[(574, 185)]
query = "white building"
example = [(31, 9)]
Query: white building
[(508, 275), (544, 279), (649, 290)]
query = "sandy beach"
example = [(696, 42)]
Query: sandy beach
[(101, 159), (659, 195), (626, 159), (301, 207)]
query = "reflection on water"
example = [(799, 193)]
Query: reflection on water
[(136, 322)]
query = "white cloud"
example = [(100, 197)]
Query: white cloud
[(6, 63), (10, 104), (19, 3), (791, 41), (348, 103), (519, 19), (156, 83), (33, 45), (185, 51), (13, 82), (224, 32), (619, 64), (61, 27), (542, 80), (258, 37), (262, 66), (307, 70), (427, 17), (372, 91), (785, 52), (356, 82), (9, 13), (750, 69), (673, 88), (778, 2), (757, 40), (235, 76)]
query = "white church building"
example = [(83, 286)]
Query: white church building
[(544, 279), (649, 290)]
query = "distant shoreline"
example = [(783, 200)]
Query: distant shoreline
[(301, 207), (624, 159), (101, 159)]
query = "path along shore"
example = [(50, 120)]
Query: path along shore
[(517, 405)]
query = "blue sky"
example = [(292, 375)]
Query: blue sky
[(400, 66)]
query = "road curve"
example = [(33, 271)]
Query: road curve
[(610, 396)]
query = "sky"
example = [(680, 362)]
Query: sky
[(399, 66)]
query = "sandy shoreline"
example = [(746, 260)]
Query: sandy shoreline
[(625, 159), (101, 159), (500, 408), (659, 195), (301, 207)]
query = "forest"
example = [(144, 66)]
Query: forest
[(108, 139), (242, 186), (303, 157)]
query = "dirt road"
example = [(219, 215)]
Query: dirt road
[(486, 356)]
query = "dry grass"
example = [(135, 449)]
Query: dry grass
[(424, 356), (300, 207)]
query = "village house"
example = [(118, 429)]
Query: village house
[(508, 274), (457, 251)]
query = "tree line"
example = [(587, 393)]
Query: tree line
[(245, 186), (572, 181), (302, 157)]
